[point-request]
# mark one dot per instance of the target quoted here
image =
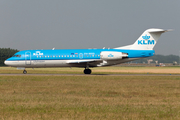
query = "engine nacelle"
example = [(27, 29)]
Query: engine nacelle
[(108, 55)]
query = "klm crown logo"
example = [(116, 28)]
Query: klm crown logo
[(38, 53), (110, 55), (146, 41), (146, 37)]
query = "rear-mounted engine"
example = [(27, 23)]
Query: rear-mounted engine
[(107, 55)]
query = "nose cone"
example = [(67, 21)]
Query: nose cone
[(11, 63), (6, 62)]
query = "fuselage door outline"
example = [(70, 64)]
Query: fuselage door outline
[(28, 58)]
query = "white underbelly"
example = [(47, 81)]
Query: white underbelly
[(42, 63)]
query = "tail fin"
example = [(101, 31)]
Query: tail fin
[(147, 40)]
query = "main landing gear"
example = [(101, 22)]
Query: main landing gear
[(24, 71), (87, 71)]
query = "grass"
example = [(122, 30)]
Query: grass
[(90, 97), (98, 70)]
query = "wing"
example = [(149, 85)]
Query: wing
[(84, 63)]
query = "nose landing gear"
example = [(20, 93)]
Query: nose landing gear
[(24, 71)]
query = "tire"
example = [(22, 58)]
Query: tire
[(24, 71), (87, 71)]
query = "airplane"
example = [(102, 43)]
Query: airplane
[(87, 58)]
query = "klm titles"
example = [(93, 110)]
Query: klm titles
[(146, 41)]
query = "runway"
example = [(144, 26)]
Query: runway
[(90, 75)]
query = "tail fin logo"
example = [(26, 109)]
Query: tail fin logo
[(146, 37), (146, 41)]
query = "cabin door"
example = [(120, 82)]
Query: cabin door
[(28, 58)]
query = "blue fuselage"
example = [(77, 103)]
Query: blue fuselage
[(76, 54)]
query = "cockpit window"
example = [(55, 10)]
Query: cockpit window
[(16, 55)]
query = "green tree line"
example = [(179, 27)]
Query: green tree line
[(160, 59), (6, 53)]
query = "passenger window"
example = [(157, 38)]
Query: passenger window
[(67, 55)]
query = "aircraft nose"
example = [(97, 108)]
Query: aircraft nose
[(7, 62)]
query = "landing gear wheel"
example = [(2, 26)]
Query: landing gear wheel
[(24, 71), (87, 71)]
